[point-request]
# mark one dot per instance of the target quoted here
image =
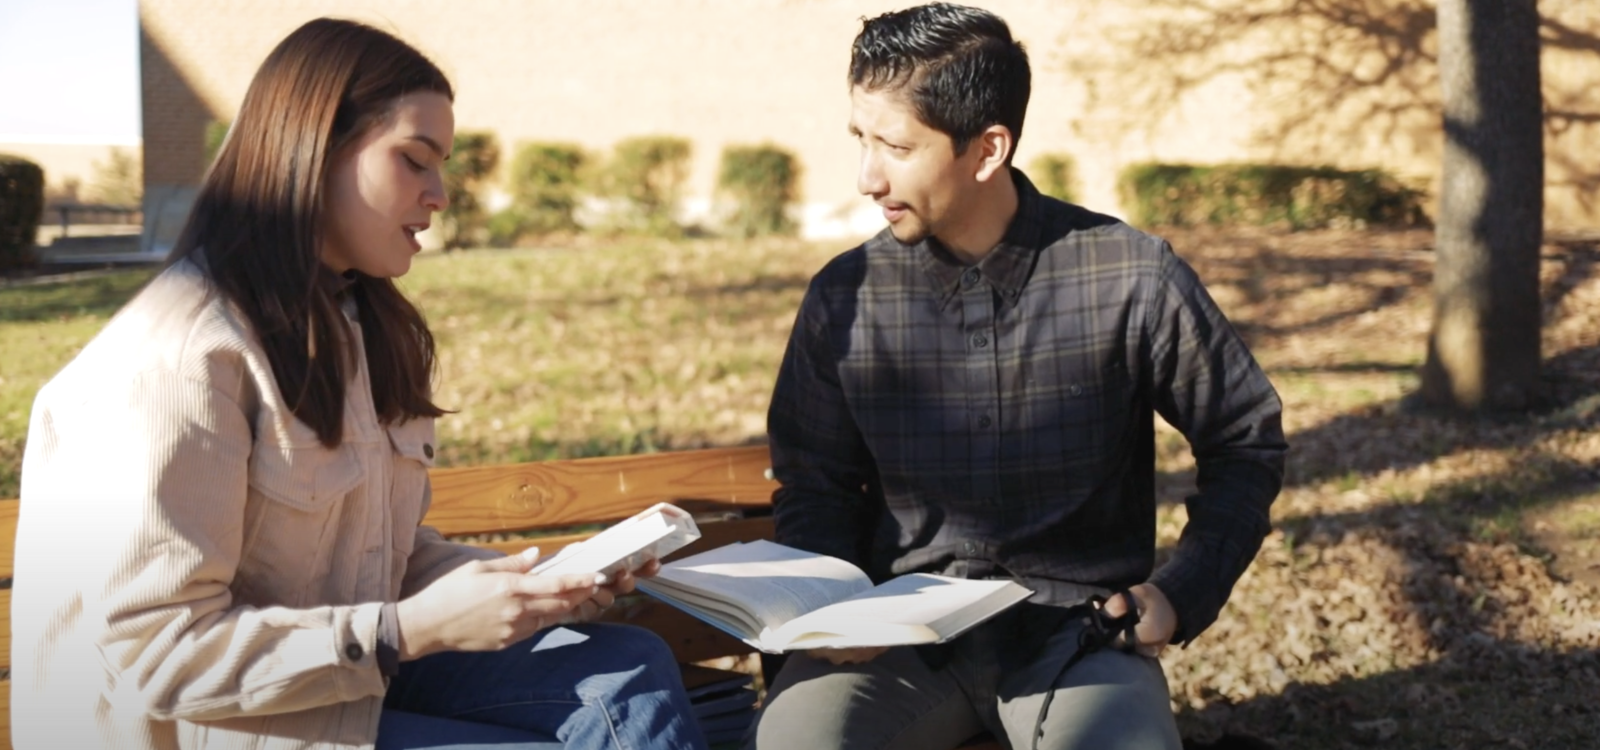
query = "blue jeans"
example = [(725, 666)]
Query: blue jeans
[(583, 686)]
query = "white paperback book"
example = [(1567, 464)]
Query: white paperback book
[(779, 599), (651, 534)]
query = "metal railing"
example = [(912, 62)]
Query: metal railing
[(95, 213)]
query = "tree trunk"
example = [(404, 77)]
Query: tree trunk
[(1483, 353)]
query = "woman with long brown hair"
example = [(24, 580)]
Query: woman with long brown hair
[(220, 542)]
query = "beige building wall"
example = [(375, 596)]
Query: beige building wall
[(747, 71)]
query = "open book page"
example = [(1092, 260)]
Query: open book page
[(911, 609), (772, 583), (648, 535)]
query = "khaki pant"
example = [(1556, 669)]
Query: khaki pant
[(1107, 701)]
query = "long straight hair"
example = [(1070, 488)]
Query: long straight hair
[(258, 222)]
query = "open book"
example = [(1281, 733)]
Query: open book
[(778, 599), (651, 534)]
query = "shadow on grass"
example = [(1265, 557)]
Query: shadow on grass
[(1486, 684), (1495, 675)]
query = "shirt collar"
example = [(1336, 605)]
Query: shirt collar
[(1006, 267)]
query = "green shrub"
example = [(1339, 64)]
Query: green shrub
[(473, 157), (119, 181), (1268, 195), (546, 185), (1056, 175), (21, 207), (511, 225), (216, 133), (647, 174), (762, 181)]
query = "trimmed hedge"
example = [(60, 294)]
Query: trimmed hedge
[(21, 207), (647, 174), (546, 185), (762, 181), (1055, 175), (473, 158), (1267, 195)]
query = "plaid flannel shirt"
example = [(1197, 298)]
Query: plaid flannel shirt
[(996, 420)]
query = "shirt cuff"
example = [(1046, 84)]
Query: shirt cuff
[(389, 640), (1190, 585)]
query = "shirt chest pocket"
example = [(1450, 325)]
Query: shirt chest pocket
[(293, 518), (1088, 421)]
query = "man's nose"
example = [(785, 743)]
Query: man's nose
[(869, 179)]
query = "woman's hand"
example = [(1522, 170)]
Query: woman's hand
[(487, 605), (622, 583)]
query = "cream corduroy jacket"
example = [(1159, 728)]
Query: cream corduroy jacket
[(193, 568)]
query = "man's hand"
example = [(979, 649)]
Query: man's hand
[(1157, 620), (839, 656)]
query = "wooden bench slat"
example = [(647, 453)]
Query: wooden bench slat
[(8, 538), (5, 629), (5, 715), (554, 494)]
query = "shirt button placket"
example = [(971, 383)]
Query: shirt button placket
[(983, 388)]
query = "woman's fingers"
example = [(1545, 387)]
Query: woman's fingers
[(588, 583)]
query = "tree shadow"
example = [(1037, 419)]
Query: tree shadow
[(1330, 76), (1491, 671)]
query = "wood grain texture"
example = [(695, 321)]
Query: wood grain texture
[(5, 714), (555, 494), (5, 629), (8, 538)]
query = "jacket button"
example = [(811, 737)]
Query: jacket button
[(354, 651), (427, 450)]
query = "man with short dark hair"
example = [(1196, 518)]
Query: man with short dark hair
[(971, 393)]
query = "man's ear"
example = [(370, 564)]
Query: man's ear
[(994, 147)]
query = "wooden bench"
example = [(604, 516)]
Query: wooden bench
[(729, 490)]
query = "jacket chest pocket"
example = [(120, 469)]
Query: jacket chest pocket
[(413, 444), (292, 519)]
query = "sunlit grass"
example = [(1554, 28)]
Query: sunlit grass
[(619, 347)]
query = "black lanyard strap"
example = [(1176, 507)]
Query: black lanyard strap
[(1100, 631)]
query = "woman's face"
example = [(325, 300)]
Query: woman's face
[(384, 188)]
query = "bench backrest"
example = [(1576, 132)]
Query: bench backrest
[(566, 501)]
